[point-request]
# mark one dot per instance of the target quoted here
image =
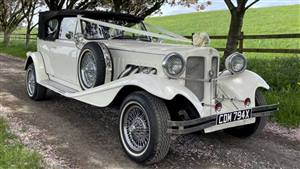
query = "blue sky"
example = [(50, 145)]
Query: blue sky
[(220, 5)]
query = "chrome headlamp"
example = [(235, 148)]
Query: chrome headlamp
[(173, 65), (236, 63)]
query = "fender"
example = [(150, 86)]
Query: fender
[(161, 87), (39, 66), (241, 86)]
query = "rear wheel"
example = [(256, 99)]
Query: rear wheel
[(143, 128), (251, 129), (34, 90)]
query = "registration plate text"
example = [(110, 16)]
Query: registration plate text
[(234, 116)]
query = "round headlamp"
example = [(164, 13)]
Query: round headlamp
[(236, 63), (173, 65)]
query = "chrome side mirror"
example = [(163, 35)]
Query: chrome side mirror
[(69, 35), (158, 40), (79, 40)]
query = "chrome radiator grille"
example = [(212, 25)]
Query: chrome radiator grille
[(195, 70), (215, 70)]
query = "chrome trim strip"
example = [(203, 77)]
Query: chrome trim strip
[(108, 63), (197, 80), (134, 51)]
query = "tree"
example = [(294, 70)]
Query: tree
[(56, 5), (141, 8), (12, 12), (200, 6), (236, 23), (32, 7)]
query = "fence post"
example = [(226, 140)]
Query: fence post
[(241, 42), (193, 38)]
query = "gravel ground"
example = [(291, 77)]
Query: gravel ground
[(70, 134)]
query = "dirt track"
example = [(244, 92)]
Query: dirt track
[(70, 134)]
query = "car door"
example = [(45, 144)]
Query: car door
[(46, 45), (65, 53)]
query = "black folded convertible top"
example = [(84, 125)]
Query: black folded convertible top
[(44, 17)]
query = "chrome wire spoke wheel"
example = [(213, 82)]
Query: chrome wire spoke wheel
[(143, 127), (88, 70), (33, 89), (30, 81), (136, 127)]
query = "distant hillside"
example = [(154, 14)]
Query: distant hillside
[(284, 19)]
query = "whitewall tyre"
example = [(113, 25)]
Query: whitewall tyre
[(34, 90), (143, 128), (91, 68)]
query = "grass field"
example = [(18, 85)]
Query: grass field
[(271, 20), (283, 76), (17, 48), (281, 71), (13, 155)]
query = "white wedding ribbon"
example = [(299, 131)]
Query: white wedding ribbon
[(136, 31)]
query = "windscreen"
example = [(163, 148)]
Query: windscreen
[(125, 30), (95, 31)]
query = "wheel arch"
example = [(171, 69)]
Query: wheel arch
[(181, 108), (112, 94), (123, 93), (179, 102), (241, 86), (37, 59), (28, 61)]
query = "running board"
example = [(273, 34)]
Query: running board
[(57, 87)]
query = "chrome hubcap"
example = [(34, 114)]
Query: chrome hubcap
[(88, 70), (30, 82), (136, 128)]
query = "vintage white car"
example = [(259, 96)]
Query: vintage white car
[(160, 82)]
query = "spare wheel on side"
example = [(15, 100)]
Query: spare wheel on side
[(91, 66)]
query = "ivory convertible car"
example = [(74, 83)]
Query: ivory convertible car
[(160, 88)]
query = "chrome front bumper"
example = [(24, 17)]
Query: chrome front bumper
[(190, 126)]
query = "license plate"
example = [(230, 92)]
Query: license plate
[(234, 116)]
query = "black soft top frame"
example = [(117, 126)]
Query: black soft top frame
[(44, 17)]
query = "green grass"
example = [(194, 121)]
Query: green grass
[(272, 20), (23, 31), (289, 106), (13, 155), (257, 21), (283, 76), (17, 48)]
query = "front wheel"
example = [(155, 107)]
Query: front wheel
[(34, 90), (143, 128), (251, 129)]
